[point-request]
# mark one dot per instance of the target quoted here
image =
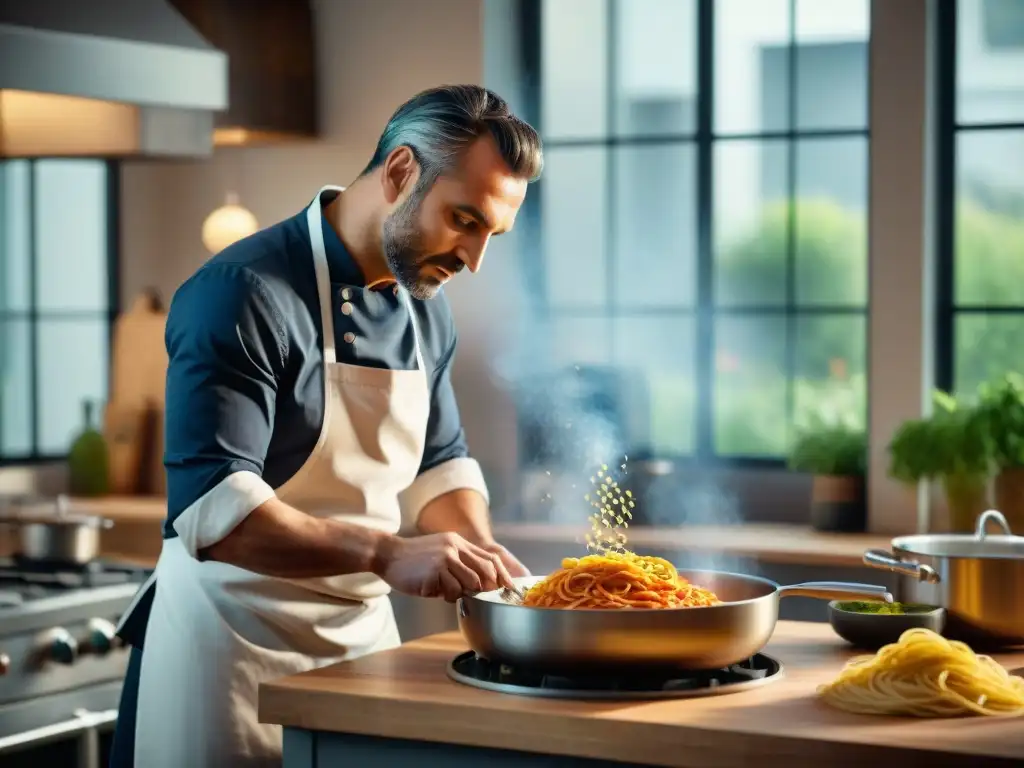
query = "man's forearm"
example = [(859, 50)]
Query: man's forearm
[(462, 511), (278, 540)]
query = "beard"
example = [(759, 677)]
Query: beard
[(405, 255)]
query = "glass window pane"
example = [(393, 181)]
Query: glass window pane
[(15, 286), (751, 65), (655, 86), (830, 221), (73, 364), (71, 234), (831, 369), (986, 345), (574, 208), (831, 61), (579, 341), (656, 354), (574, 69), (15, 388), (751, 223), (989, 260), (990, 61), (750, 386), (655, 226)]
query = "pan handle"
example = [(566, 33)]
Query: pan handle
[(836, 590), (879, 558)]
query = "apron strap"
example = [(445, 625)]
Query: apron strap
[(314, 218), (415, 329)]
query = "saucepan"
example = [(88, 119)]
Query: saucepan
[(49, 532), (709, 637), (978, 579)]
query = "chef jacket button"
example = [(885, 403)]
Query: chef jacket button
[(346, 293), (346, 308), (349, 337)]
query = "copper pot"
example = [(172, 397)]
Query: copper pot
[(978, 579)]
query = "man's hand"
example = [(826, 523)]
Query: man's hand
[(515, 568), (440, 565), (465, 512)]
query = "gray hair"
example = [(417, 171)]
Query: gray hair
[(440, 123)]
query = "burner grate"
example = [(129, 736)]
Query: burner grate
[(34, 579), (470, 669)]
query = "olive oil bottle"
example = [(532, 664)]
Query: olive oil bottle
[(88, 463)]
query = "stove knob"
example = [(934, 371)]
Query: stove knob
[(63, 647), (102, 638), (5, 664)]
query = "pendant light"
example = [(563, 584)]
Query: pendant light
[(228, 224)]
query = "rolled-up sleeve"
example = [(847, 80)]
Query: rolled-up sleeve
[(226, 348), (446, 464)]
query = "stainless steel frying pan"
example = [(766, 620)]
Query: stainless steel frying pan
[(683, 638)]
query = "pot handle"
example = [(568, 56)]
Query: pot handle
[(836, 590), (879, 558), (981, 531)]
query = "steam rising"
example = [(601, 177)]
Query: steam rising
[(571, 423)]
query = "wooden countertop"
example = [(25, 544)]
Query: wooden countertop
[(770, 543), (125, 509), (405, 694)]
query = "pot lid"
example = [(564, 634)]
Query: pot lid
[(49, 510), (981, 543)]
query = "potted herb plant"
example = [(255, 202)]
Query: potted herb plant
[(836, 455), (952, 447), (1001, 404)]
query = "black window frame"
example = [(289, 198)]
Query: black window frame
[(33, 315), (947, 129), (704, 139)]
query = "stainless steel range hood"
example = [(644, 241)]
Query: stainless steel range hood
[(110, 78)]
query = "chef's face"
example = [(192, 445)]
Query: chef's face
[(437, 230)]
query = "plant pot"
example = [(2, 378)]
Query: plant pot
[(837, 504), (1009, 493), (966, 498)]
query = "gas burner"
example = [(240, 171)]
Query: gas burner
[(470, 669), (34, 579)]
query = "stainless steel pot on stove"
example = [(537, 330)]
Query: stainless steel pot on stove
[(683, 638), (978, 579), (49, 531)]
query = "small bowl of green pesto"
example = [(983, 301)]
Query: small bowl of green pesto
[(870, 625)]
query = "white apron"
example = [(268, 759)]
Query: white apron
[(216, 631)]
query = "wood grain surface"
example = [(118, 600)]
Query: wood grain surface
[(405, 694)]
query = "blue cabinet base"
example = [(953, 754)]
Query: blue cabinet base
[(313, 749)]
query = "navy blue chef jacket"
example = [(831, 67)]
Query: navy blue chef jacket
[(245, 388)]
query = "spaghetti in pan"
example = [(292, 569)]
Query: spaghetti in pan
[(617, 580)]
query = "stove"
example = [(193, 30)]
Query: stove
[(61, 666), (473, 670)]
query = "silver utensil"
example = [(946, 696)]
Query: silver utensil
[(513, 595)]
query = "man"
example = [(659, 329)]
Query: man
[(309, 410)]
